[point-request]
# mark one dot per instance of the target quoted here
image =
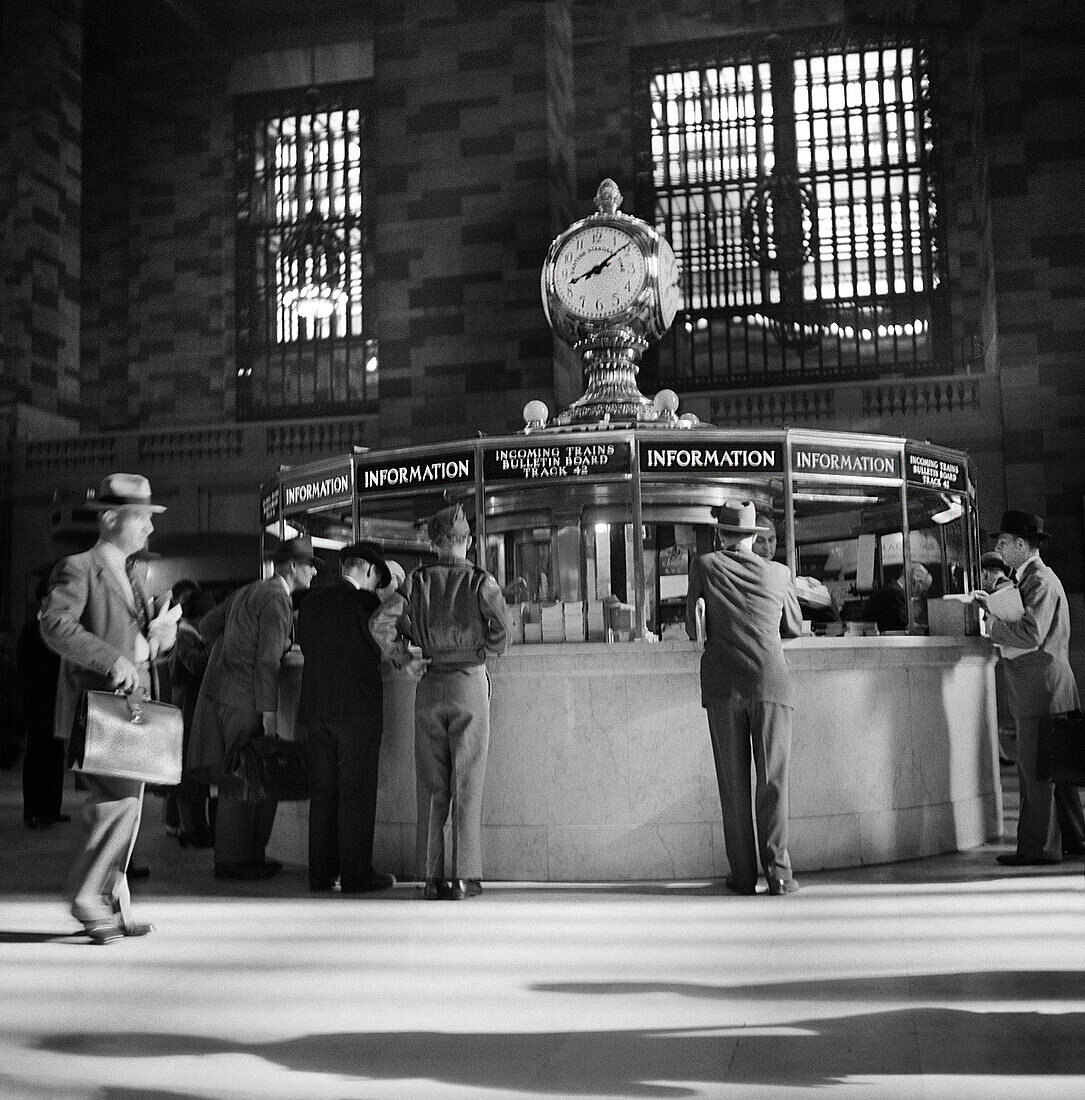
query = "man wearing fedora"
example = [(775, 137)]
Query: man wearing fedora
[(341, 719), (239, 699), (455, 613), (747, 692), (97, 618), (1039, 681)]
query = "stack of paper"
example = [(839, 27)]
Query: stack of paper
[(573, 614), (553, 622)]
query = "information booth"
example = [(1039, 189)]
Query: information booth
[(600, 764)]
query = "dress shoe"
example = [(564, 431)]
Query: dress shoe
[(474, 887), (102, 932), (375, 880), (732, 885), (780, 886), (136, 928), (458, 889), (134, 873), (436, 889), (248, 872), (321, 887), (1016, 859)]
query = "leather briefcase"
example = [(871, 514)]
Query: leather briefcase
[(266, 768), (1060, 749), (127, 737)]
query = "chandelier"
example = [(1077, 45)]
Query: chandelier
[(311, 262)]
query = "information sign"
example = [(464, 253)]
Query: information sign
[(731, 457), (311, 491), (417, 472), (832, 460)]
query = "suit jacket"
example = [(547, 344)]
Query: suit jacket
[(255, 625), (341, 678), (748, 602), (1040, 682), (89, 621)]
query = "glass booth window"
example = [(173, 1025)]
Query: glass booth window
[(842, 557)]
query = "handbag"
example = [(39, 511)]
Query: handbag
[(266, 768), (1060, 748), (127, 737)]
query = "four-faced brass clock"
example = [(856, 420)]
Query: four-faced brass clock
[(609, 287)]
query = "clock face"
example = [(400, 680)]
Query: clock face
[(599, 272), (670, 293)]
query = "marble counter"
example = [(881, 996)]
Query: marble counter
[(600, 765)]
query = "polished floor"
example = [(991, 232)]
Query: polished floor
[(945, 977)]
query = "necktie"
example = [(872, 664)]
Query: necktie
[(137, 594)]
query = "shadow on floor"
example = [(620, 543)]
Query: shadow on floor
[(806, 1053)]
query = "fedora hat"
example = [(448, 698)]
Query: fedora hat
[(994, 560), (1023, 525), (298, 549), (738, 517), (370, 552), (123, 491)]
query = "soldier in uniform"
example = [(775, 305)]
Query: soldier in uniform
[(454, 614)]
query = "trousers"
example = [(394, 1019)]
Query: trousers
[(97, 881), (343, 762), (451, 742), (746, 731), (1050, 816)]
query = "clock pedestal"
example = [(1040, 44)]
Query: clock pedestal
[(611, 363)]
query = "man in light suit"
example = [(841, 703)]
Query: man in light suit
[(98, 620), (239, 699), (1039, 681), (341, 720), (746, 690)]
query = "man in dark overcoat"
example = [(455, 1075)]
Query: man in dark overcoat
[(341, 719)]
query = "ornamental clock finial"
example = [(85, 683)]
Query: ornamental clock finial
[(608, 198)]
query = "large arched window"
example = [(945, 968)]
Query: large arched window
[(302, 168), (795, 179)]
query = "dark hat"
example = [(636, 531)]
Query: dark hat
[(124, 490), (298, 549), (994, 560), (738, 517), (448, 523), (370, 552), (1023, 525)]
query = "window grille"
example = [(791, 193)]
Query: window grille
[(302, 182), (795, 180)]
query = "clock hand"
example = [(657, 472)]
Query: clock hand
[(599, 266)]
